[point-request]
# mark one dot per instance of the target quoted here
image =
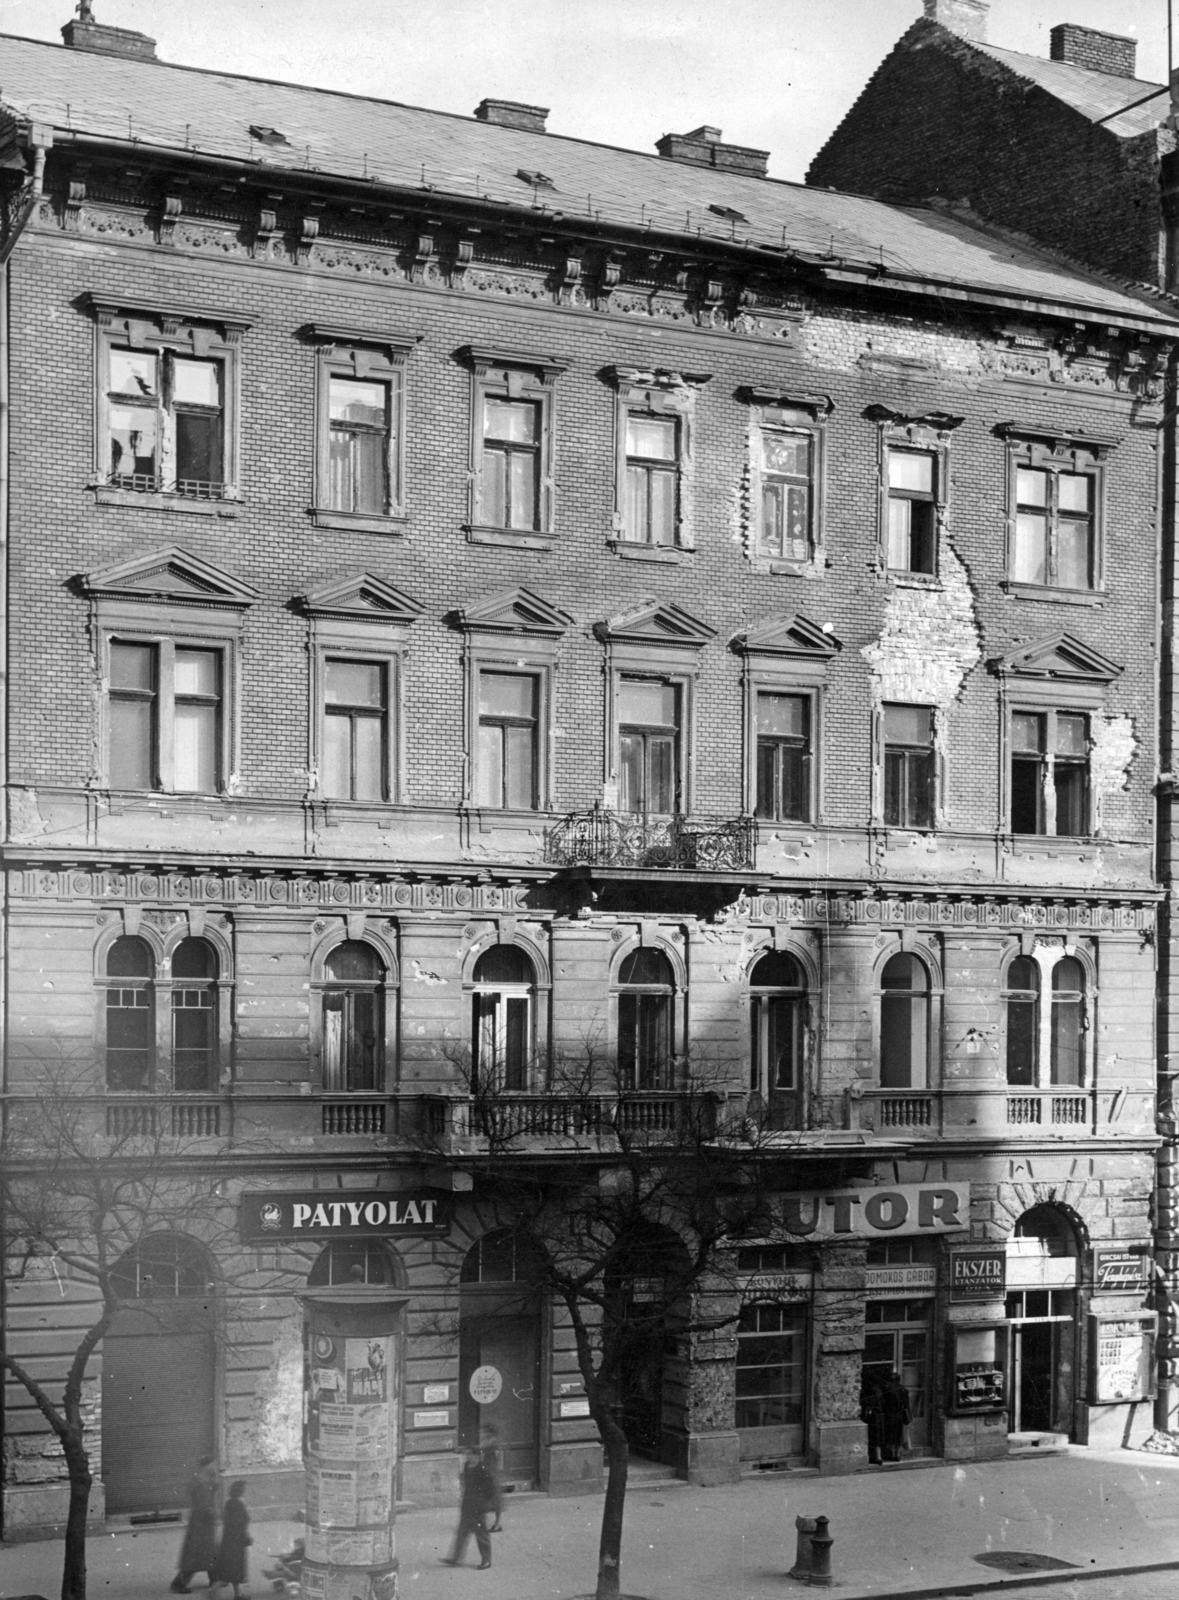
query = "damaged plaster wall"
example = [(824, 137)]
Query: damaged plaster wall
[(1113, 748)]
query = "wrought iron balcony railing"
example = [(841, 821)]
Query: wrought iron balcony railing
[(642, 1116), (600, 838)]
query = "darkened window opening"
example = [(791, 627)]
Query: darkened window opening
[(652, 478), (912, 511), (777, 1005), (1022, 998), (508, 726), (1050, 773), (353, 1005), (645, 1020), (908, 766), (649, 746), (194, 1017), (787, 491), (502, 1024), (784, 757), (904, 1023), (1054, 527), (130, 1015), (355, 733)]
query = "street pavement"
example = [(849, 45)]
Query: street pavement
[(918, 1529)]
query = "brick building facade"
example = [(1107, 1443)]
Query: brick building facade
[(472, 592)]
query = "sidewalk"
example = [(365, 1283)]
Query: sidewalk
[(895, 1531)]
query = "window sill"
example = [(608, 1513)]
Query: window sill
[(489, 818), (666, 554), (358, 521), (106, 495), (518, 538), (913, 580), (1054, 597), (778, 566)]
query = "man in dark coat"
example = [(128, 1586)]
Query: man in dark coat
[(231, 1557), (480, 1500), (871, 1413), (895, 1415), (199, 1550)]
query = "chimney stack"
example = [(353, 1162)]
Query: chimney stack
[(703, 148), (966, 18), (511, 114), (83, 33), (1087, 47)]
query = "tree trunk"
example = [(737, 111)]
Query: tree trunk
[(73, 1573), (610, 1543)]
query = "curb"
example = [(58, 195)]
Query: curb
[(1042, 1580)]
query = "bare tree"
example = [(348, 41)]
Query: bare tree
[(79, 1192), (633, 1226)]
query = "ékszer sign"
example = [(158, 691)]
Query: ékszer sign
[(336, 1214)]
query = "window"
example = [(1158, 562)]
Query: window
[(509, 486), (645, 1020), (353, 1002), (130, 1015), (912, 511), (359, 446), (355, 718), (1055, 499), (511, 447), (777, 1006), (649, 745), (908, 766), (507, 753), (1050, 773), (652, 479), (1022, 999), (162, 1266), (904, 1023), (1068, 1022), (784, 757), (786, 481), (505, 985), (194, 1016), (771, 1366), (165, 717), (352, 1262), (166, 420)]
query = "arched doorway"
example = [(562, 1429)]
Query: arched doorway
[(1041, 1309), (499, 1327), (158, 1374)]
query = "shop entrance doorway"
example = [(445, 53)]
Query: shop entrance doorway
[(499, 1330), (158, 1375), (1041, 1310), (899, 1338)]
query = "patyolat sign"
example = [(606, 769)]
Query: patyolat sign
[(339, 1214), (874, 1212)]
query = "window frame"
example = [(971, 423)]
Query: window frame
[(930, 959), (503, 721), (382, 941), (1082, 455), (339, 642), (760, 996), (664, 941), (1047, 956), (678, 767), (927, 434), (513, 375), (879, 807), (164, 646), (167, 333), (774, 412), (1047, 762), (667, 396), (362, 356), (483, 989)]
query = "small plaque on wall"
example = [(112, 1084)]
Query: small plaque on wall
[(575, 1408), (436, 1394), (431, 1419)]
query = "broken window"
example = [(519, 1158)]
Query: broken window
[(912, 511), (784, 757), (652, 478), (645, 1020), (909, 766), (166, 422), (1050, 773), (505, 987), (1055, 521), (787, 487), (353, 1003), (507, 754), (355, 732), (649, 745), (904, 1023), (165, 716)]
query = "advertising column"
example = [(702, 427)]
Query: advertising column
[(350, 1451)]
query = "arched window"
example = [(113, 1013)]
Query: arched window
[(499, 1257), (352, 1261), (1022, 998), (194, 1016), (904, 1023), (1068, 1021), (162, 1266), (645, 1020), (777, 1002), (352, 1007), (130, 1015), (501, 1032)]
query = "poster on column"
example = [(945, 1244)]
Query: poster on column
[(352, 1547), (354, 1433), (321, 1583), (352, 1415), (351, 1497)]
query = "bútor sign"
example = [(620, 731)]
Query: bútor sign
[(320, 1214), (875, 1213)]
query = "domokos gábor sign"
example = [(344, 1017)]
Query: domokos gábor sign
[(343, 1214), (871, 1212)]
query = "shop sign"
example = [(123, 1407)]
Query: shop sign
[(978, 1274), (878, 1213), (914, 1279), (1119, 1271), (778, 1285), (320, 1214), (1123, 1358)]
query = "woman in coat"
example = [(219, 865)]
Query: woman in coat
[(199, 1550), (230, 1566)]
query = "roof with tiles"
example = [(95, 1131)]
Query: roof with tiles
[(1126, 106), (329, 134)]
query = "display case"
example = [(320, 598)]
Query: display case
[(977, 1368), (1121, 1357)]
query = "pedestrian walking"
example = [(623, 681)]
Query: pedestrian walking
[(895, 1416), (235, 1538), (872, 1414), (199, 1550), (480, 1500)]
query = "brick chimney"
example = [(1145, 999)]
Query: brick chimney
[(1100, 52), (511, 114), (966, 18), (703, 147), (83, 33)]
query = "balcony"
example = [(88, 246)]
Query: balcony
[(645, 1116), (173, 1118), (1002, 1113), (601, 838)]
